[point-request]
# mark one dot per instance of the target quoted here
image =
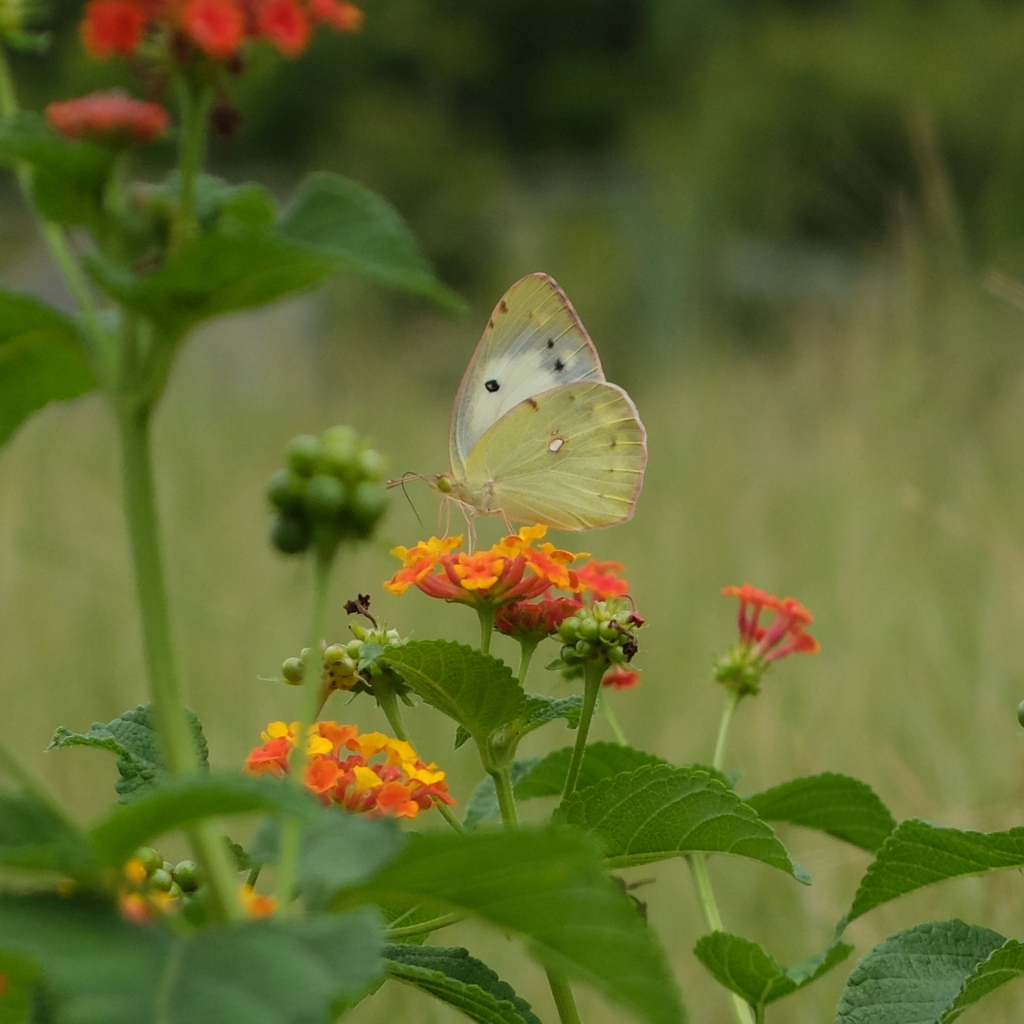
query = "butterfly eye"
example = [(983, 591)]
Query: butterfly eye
[(492, 386)]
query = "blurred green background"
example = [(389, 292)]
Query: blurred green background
[(794, 231)]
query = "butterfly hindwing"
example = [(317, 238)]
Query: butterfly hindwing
[(534, 342), (571, 458)]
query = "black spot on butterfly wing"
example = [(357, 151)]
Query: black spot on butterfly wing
[(492, 385), (559, 365), (551, 342)]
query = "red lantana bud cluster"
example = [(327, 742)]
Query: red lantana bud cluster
[(112, 118), (743, 667), (367, 773), (216, 28)]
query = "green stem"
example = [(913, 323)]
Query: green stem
[(732, 699), (176, 746), (706, 895), (526, 649), (312, 670), (412, 931), (699, 864), (20, 774), (506, 798), (593, 673), (486, 613), (449, 815), (387, 701), (194, 101), (565, 1003), (613, 722)]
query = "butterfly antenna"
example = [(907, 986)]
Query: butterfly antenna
[(400, 482)]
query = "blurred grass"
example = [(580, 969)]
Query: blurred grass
[(868, 463)]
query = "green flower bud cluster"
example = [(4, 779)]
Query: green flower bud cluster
[(332, 490), (341, 661), (741, 670), (177, 880), (602, 633)]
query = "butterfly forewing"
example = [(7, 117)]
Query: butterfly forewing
[(534, 341), (571, 458)]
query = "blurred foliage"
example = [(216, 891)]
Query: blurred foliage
[(755, 150)]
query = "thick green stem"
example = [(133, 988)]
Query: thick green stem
[(732, 699), (194, 101), (312, 670), (412, 931), (593, 673), (449, 815), (565, 1003), (176, 746), (486, 613), (526, 649), (387, 701), (506, 798)]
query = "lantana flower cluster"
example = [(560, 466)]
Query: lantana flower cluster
[(217, 28), (368, 773), (759, 645)]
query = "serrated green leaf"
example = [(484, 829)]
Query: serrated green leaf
[(473, 688), (538, 710), (340, 219), (1003, 965), (918, 853), (483, 804), (657, 811), (134, 739), (41, 359), (919, 975), (68, 178), (538, 777), (34, 837), (218, 273), (600, 761), (752, 972), (835, 804), (369, 654), (547, 886), (462, 981), (99, 969)]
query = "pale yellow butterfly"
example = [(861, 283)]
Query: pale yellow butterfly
[(537, 433)]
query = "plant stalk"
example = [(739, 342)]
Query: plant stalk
[(486, 613), (526, 649), (312, 670), (565, 1002), (176, 746), (592, 675), (506, 797), (194, 102), (732, 699), (613, 722)]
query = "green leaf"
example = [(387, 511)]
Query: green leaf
[(918, 853), (539, 710), (750, 971), (546, 885), (658, 811), (928, 975), (20, 975), (337, 849), (347, 223), (218, 273), (473, 688), (835, 804), (600, 761), (68, 178), (41, 359), (99, 969), (181, 799), (134, 739), (462, 981), (35, 837), (483, 804), (536, 777)]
